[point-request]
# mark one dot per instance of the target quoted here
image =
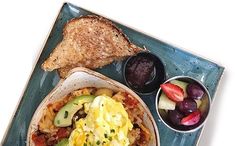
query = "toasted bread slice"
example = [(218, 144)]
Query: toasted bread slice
[(89, 41)]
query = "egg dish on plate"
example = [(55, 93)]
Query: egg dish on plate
[(92, 117)]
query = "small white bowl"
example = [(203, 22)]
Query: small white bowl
[(206, 102), (83, 77)]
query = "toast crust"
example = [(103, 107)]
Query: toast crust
[(89, 41)]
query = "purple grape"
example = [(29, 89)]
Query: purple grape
[(175, 117), (187, 106), (195, 91)]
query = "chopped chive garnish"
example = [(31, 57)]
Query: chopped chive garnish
[(112, 131), (110, 138), (84, 144), (106, 135), (98, 142)]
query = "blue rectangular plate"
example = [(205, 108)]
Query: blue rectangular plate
[(176, 61)]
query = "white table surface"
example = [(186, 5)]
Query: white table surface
[(206, 28)]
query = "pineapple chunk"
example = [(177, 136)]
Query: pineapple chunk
[(182, 85), (199, 102), (166, 103), (204, 104)]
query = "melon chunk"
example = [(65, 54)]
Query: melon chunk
[(166, 103), (199, 102)]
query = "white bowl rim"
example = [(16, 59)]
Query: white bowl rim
[(113, 82)]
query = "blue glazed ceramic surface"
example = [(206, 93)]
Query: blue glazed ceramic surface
[(176, 61)]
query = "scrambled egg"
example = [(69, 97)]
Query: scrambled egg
[(106, 124)]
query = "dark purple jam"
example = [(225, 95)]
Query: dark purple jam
[(144, 72), (139, 71)]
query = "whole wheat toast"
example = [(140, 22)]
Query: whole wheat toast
[(89, 41)]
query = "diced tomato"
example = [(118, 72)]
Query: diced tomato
[(39, 140), (125, 94), (130, 101), (62, 133)]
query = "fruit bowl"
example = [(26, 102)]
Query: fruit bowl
[(183, 104)]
